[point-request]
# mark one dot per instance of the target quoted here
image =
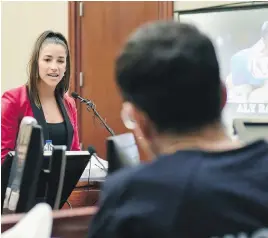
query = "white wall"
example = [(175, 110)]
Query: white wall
[(22, 22)]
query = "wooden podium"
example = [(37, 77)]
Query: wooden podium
[(69, 222), (85, 194)]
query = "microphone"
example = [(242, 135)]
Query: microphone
[(87, 102), (92, 152), (91, 105)]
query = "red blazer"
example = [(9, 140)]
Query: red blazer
[(16, 104)]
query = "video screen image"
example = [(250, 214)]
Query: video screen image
[(241, 40)]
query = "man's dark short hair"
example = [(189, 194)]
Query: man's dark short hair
[(169, 70)]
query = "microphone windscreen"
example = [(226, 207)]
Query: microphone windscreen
[(74, 95), (91, 150)]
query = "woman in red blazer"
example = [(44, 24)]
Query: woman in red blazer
[(44, 97)]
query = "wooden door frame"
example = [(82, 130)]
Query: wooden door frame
[(74, 39), (165, 12), (166, 9)]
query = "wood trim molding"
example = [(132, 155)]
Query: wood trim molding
[(71, 40), (166, 9), (74, 38)]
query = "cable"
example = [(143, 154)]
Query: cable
[(88, 179), (92, 152), (69, 204), (103, 167), (94, 203)]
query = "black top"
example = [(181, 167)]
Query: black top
[(57, 133), (188, 194), (40, 117)]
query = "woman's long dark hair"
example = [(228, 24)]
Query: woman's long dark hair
[(63, 86)]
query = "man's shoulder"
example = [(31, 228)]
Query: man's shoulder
[(122, 177), (190, 188), (171, 173), (188, 167), (229, 173)]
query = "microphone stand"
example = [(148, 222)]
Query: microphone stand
[(92, 106)]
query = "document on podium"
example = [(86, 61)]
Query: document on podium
[(94, 170)]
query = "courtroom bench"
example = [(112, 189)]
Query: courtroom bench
[(66, 223)]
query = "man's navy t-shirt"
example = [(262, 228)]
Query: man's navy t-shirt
[(190, 194)]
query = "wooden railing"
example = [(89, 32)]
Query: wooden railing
[(66, 223)]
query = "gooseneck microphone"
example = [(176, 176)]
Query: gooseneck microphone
[(91, 105), (87, 102), (92, 152)]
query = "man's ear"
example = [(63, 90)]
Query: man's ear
[(127, 116), (223, 95), (136, 120)]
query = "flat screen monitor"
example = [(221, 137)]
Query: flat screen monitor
[(76, 162), (5, 173), (55, 176), (25, 169), (122, 152), (240, 35)]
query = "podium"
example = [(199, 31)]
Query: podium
[(86, 191), (84, 194), (82, 181)]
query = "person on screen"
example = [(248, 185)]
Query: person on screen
[(200, 183), (43, 97), (249, 69), (259, 68)]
